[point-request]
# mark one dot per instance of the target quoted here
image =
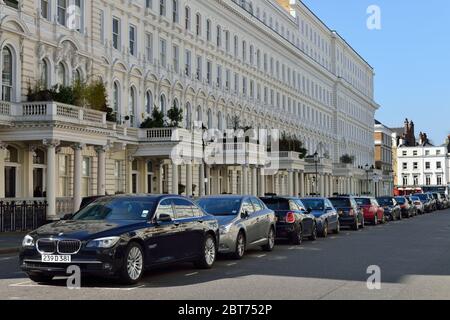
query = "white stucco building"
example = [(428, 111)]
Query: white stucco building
[(273, 64), (423, 167)]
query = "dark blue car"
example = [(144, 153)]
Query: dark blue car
[(326, 215)]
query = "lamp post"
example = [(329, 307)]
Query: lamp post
[(316, 162), (367, 169)]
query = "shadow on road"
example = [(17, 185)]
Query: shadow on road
[(418, 246)]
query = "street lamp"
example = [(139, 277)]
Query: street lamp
[(316, 162), (367, 169)]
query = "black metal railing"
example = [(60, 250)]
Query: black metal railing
[(22, 216)]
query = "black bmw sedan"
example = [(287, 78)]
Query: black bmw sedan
[(122, 236)]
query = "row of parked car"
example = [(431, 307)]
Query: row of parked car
[(122, 236)]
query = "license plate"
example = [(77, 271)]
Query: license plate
[(52, 258)]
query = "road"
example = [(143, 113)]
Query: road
[(414, 257)]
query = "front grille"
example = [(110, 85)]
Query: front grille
[(69, 246), (46, 246)]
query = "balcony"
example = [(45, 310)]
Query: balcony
[(52, 111), (236, 153), (288, 160)]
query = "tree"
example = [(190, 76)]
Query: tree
[(175, 115), (292, 143), (347, 159), (156, 120)]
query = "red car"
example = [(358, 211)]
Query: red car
[(372, 210)]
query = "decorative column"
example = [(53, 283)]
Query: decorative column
[(208, 180), (201, 187), (245, 179), (296, 184), (322, 185), (262, 182), (189, 179), (3, 147), (51, 145), (174, 178), (101, 170), (302, 184), (291, 182), (254, 181), (77, 172)]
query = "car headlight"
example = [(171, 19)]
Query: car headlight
[(28, 242), (104, 243), (225, 229)]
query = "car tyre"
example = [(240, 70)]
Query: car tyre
[(355, 226), (207, 260), (297, 237), (240, 246), (133, 267), (313, 236), (338, 228), (40, 278), (270, 241), (324, 232)]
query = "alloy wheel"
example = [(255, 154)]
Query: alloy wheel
[(135, 263), (210, 251)]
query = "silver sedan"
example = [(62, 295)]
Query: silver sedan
[(245, 222)]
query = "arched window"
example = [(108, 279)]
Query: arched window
[(199, 114), (116, 97), (162, 104), (187, 18), (210, 120), (7, 74), (188, 116), (149, 102), (77, 75), (229, 122), (45, 74), (175, 103), (62, 75), (38, 157), (12, 155), (132, 106), (219, 121), (198, 24), (149, 166)]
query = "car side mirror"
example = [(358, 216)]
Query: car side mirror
[(67, 216), (245, 214), (163, 217)]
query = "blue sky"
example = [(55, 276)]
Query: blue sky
[(410, 55)]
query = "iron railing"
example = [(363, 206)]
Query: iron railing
[(22, 216)]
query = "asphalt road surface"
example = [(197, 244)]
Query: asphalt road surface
[(413, 255)]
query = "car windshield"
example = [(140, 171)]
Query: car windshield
[(277, 204), (422, 197), (341, 202), (401, 200), (117, 209), (363, 201), (385, 201), (220, 206), (314, 204)]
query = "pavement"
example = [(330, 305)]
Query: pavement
[(11, 242), (413, 256)]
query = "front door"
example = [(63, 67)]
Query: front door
[(163, 238), (10, 182), (251, 223)]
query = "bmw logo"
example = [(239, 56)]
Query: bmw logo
[(60, 234)]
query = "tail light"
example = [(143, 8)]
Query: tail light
[(403, 206), (418, 203), (351, 213), (290, 217)]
